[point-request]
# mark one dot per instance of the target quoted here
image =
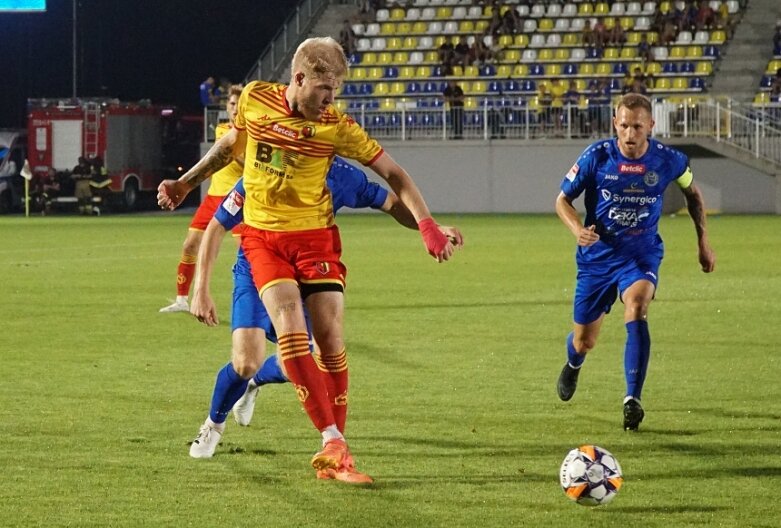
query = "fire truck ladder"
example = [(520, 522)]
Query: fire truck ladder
[(91, 129)]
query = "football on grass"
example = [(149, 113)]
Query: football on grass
[(590, 475)]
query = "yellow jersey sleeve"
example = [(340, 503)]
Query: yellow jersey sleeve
[(352, 141)]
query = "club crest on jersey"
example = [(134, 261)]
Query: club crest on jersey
[(322, 268), (308, 131), (631, 168), (285, 131), (573, 172), (651, 178), (233, 203)]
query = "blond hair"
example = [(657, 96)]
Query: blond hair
[(319, 57), (235, 89)]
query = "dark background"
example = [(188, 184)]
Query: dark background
[(131, 49)]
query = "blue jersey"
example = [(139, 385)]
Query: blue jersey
[(623, 197), (349, 187)]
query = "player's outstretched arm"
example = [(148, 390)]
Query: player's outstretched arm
[(436, 242), (695, 204), (586, 236), (171, 193), (394, 207), (202, 306)]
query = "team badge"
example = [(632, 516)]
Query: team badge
[(233, 203), (308, 131), (322, 268), (341, 399), (651, 178), (573, 172), (302, 393)]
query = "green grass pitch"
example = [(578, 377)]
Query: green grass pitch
[(453, 371)]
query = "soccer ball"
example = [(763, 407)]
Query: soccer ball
[(590, 475)]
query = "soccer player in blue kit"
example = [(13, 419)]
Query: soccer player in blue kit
[(619, 249), (251, 325)]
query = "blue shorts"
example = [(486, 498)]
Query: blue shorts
[(248, 310), (599, 284)]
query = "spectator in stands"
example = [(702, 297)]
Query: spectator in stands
[(461, 52), (616, 36), (690, 15), (599, 110), (587, 35), (447, 54), (496, 23), (777, 39), (644, 50), (705, 16), (571, 101), (478, 52), (207, 92), (511, 22), (600, 34), (454, 97), (572, 95), (82, 175), (726, 22), (544, 101), (669, 30), (775, 86), (636, 83), (347, 38)]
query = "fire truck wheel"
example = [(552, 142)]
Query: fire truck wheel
[(130, 195)]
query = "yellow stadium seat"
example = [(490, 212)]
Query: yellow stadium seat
[(466, 26), (545, 24), (409, 43), (762, 98), (602, 8), (488, 11), (633, 37), (401, 57), (553, 70), (471, 71), (369, 58), (586, 68), (357, 73), (570, 39), (604, 68), (381, 88), (580, 84), (397, 14), (444, 12), (431, 56), (773, 65), (385, 58), (375, 73), (561, 54), (545, 55), (387, 103), (504, 71), (703, 68), (505, 41), (628, 52), (610, 22), (652, 37), (662, 83), (677, 52), (403, 28), (470, 103), (478, 87), (520, 70), (423, 72), (407, 72), (397, 88), (653, 68), (393, 43), (387, 28), (693, 52), (512, 55), (439, 40), (419, 27), (481, 26), (458, 71), (585, 9), (718, 37), (680, 83), (627, 23), (610, 53)]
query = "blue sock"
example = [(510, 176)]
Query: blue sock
[(270, 372), (228, 388), (575, 359), (636, 356)]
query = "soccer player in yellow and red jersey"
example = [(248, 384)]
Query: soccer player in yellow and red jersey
[(221, 184), (292, 134)]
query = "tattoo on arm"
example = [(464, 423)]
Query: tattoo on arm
[(696, 208), (218, 157)]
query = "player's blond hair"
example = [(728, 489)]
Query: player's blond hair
[(633, 101), (235, 89), (320, 56)]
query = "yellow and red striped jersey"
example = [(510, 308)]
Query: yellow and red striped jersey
[(224, 179), (287, 159)]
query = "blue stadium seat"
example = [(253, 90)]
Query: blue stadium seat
[(413, 88), (593, 53), (486, 101), (686, 67), (494, 87), (511, 85), (619, 68), (475, 118), (697, 83), (615, 85), (378, 120), (528, 86), (431, 119), (366, 89), (766, 82), (429, 87), (355, 58), (349, 89), (394, 119), (411, 119), (711, 51), (669, 67), (437, 102), (437, 71), (536, 70), (391, 72), (487, 70), (570, 69), (374, 104)]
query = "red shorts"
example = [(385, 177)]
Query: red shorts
[(206, 211), (311, 257)]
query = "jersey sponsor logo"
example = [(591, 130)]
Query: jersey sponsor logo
[(626, 217), (573, 172), (285, 131), (651, 274), (308, 131), (322, 268), (651, 178), (613, 177), (631, 200), (233, 203), (631, 168), (606, 195)]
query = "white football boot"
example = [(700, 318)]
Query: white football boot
[(245, 407), (179, 305), (206, 442)]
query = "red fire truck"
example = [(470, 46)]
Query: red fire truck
[(140, 143)]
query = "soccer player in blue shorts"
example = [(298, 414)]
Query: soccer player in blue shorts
[(619, 249), (251, 325)]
